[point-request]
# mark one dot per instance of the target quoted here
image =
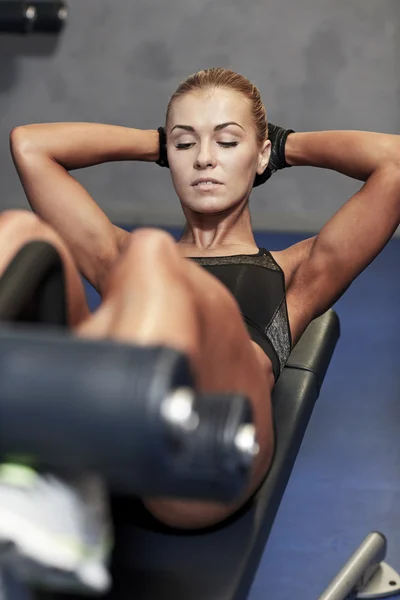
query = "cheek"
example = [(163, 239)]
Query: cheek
[(242, 160), (243, 168), (180, 179), (177, 167), (179, 164)]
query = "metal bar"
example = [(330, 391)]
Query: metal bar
[(358, 570)]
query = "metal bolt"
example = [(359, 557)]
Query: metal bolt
[(30, 13), (63, 13), (177, 409), (245, 440)]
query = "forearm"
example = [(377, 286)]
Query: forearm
[(356, 154), (79, 145)]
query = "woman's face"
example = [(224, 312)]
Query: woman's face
[(211, 137)]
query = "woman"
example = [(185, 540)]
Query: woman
[(217, 145)]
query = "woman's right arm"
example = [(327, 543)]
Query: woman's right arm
[(43, 156)]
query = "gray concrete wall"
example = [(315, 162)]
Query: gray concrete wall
[(319, 65)]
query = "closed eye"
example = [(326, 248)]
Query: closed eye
[(223, 144)]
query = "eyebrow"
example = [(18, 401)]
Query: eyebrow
[(216, 128)]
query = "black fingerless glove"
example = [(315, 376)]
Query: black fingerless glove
[(163, 158), (277, 160)]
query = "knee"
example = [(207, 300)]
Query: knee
[(23, 222), (151, 242), (145, 252), (18, 227), (15, 217)]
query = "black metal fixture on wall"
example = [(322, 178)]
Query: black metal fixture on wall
[(38, 16)]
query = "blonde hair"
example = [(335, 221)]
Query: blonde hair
[(218, 77)]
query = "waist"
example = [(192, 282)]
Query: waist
[(262, 340)]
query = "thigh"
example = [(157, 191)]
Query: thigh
[(17, 228)]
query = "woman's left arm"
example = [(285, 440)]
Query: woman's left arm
[(356, 154), (361, 228)]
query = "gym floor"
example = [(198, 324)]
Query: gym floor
[(346, 481)]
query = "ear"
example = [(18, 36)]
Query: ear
[(263, 157)]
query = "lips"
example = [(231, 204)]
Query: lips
[(206, 181)]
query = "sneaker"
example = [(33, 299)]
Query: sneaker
[(54, 533)]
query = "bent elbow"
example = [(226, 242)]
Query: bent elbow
[(21, 141)]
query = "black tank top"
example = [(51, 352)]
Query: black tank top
[(258, 284)]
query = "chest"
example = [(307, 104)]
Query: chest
[(286, 259), (250, 292)]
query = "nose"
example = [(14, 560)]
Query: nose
[(205, 157)]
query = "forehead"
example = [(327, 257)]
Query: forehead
[(211, 107)]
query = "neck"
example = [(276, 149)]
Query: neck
[(212, 231)]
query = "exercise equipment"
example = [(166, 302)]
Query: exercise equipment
[(151, 560), (126, 412), (365, 576), (35, 16), (32, 288)]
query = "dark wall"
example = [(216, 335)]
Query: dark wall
[(319, 65)]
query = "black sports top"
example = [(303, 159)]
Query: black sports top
[(258, 284)]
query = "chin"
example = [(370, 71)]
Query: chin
[(212, 208), (211, 203)]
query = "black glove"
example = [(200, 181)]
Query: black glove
[(163, 158), (277, 161)]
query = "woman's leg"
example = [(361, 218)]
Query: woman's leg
[(29, 532), (154, 296), (17, 228)]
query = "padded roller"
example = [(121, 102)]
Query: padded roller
[(126, 412), (32, 288)]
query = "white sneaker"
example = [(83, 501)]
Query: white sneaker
[(55, 533)]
